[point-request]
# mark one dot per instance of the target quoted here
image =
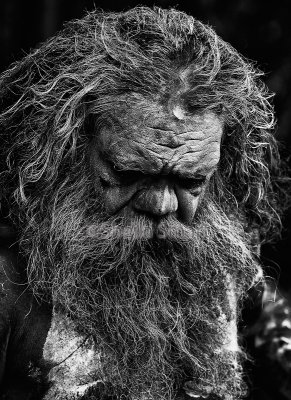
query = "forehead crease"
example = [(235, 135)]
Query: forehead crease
[(152, 160), (211, 156), (150, 143), (154, 157), (174, 140), (153, 139), (205, 144), (201, 159), (134, 155), (148, 135)]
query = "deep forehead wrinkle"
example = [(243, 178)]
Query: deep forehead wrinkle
[(141, 139)]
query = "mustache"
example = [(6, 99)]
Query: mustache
[(106, 243), (140, 228)]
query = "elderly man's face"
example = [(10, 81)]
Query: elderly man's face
[(132, 268), (155, 162)]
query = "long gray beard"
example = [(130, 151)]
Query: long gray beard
[(162, 312)]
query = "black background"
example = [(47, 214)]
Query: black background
[(259, 29)]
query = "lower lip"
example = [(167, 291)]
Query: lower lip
[(159, 234)]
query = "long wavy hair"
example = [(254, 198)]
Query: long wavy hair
[(48, 99)]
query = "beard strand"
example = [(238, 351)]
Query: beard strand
[(158, 309)]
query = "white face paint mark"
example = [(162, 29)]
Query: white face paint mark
[(179, 112)]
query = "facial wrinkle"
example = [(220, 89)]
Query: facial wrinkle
[(151, 157)]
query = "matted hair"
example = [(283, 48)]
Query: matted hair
[(47, 98)]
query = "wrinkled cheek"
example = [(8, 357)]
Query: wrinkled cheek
[(117, 198), (187, 205)]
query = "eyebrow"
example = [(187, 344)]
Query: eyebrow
[(113, 163), (198, 176), (198, 173), (170, 175)]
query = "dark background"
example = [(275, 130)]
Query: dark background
[(259, 29)]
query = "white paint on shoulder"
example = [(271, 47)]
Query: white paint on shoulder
[(231, 343), (76, 360)]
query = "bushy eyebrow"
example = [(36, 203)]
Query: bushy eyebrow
[(176, 176), (120, 167)]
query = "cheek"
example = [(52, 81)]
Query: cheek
[(187, 205), (115, 198)]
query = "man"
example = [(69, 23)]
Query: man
[(137, 170)]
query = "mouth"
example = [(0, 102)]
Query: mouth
[(159, 232)]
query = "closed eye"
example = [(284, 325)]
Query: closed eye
[(191, 183), (125, 177), (122, 178), (128, 177)]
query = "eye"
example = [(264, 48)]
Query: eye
[(104, 183), (194, 185), (128, 177)]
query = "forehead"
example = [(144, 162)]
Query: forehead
[(153, 138)]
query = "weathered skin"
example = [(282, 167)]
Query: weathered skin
[(156, 161), (142, 290), (147, 160)]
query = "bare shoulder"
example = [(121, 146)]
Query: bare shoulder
[(13, 293), (8, 273), (8, 252), (11, 275), (8, 261)]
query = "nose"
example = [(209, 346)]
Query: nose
[(159, 199)]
